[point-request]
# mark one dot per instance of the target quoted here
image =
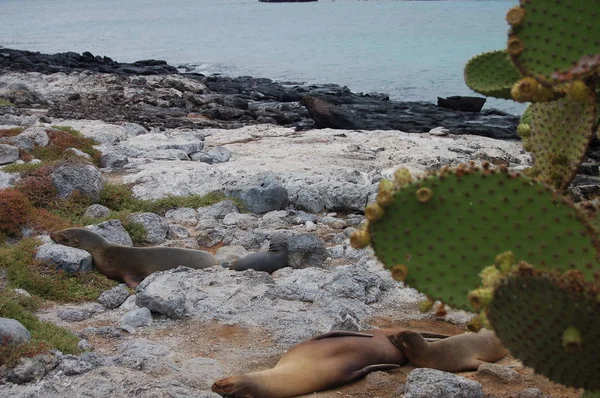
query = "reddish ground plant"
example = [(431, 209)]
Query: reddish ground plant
[(39, 189), (42, 220), (4, 133), (61, 139), (15, 210)]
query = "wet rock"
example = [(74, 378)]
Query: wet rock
[(13, 332), (114, 297), (462, 103), (431, 383)]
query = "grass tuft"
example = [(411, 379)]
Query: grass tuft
[(44, 335), (5, 102), (26, 272)]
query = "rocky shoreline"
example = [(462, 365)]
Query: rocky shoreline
[(154, 94), (165, 132)]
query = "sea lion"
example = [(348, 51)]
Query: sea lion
[(455, 354), (130, 264), (270, 261), (320, 363)]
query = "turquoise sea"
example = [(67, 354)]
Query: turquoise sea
[(412, 50)]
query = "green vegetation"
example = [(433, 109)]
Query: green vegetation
[(43, 280), (5, 102), (44, 335), (441, 232)]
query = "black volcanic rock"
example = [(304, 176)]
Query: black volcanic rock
[(231, 102)]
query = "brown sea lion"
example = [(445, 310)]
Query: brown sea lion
[(455, 354), (270, 261), (130, 264), (320, 363)]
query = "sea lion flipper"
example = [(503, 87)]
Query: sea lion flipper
[(368, 369), (131, 280), (341, 333)]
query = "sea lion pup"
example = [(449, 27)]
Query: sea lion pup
[(455, 354), (270, 261), (320, 363), (130, 264)]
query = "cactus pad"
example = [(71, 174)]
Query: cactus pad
[(550, 322), (560, 132), (559, 40), (471, 216), (492, 74)]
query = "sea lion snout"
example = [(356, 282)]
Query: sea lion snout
[(63, 238)]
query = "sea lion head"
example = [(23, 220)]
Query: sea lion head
[(233, 387), (279, 243), (79, 238), (408, 342)]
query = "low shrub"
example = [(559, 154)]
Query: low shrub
[(44, 335), (4, 133), (15, 209)]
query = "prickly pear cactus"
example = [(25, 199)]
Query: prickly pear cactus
[(550, 321), (555, 40), (437, 233), (559, 135), (492, 74)]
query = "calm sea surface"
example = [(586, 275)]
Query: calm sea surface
[(412, 50)]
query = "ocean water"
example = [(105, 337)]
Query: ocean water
[(412, 50)]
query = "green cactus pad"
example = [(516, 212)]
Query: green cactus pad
[(472, 216), (559, 40), (492, 74), (560, 134), (530, 313)]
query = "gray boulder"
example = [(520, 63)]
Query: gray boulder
[(37, 134), (214, 155), (114, 297), (306, 250), (13, 332), (113, 160), (260, 193), (96, 211), (135, 318), (177, 232), (8, 180), (113, 231), (431, 383), (182, 216), (84, 178), (29, 369), (69, 259), (218, 210), (156, 227), (8, 154)]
